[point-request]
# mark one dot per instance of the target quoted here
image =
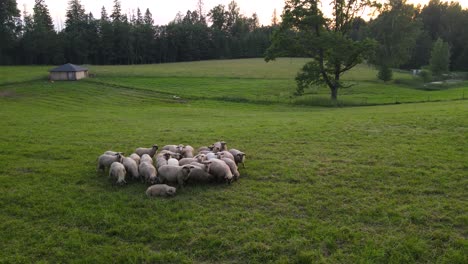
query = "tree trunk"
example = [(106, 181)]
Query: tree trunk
[(334, 93)]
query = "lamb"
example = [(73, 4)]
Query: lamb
[(233, 167), (146, 158), (220, 170), (219, 146), (105, 161), (163, 190), (150, 151), (148, 172), (225, 154), (136, 158), (187, 151), (131, 167), (198, 174), (239, 156), (174, 174), (172, 162), (117, 172)]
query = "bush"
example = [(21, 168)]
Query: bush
[(426, 76), (385, 73)]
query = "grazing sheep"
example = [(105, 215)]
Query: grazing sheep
[(174, 155), (205, 148), (146, 158), (117, 173), (220, 170), (110, 152), (186, 161), (187, 151), (219, 146), (198, 174), (150, 151), (211, 155), (173, 148), (233, 167), (172, 162), (239, 156), (105, 161), (162, 159), (204, 152), (163, 190), (225, 154), (136, 158), (174, 174), (198, 164), (148, 172), (131, 167)]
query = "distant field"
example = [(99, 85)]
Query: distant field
[(373, 184)]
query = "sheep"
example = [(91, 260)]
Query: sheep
[(219, 146), (136, 158), (187, 151), (174, 155), (131, 167), (105, 161), (202, 166), (173, 148), (148, 172), (174, 174), (233, 167), (211, 155), (225, 154), (220, 170), (110, 152), (205, 148), (150, 151), (117, 172), (146, 158), (162, 159), (239, 156), (204, 152), (160, 190), (197, 158), (198, 174), (172, 162)]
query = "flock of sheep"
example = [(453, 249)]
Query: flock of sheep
[(173, 165)]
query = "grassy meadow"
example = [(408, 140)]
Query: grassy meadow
[(371, 184)]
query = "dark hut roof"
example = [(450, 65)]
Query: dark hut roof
[(68, 68)]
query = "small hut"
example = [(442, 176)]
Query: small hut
[(68, 72)]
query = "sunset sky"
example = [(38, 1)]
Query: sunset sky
[(164, 11)]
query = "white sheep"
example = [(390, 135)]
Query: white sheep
[(172, 162), (160, 190), (105, 161), (174, 148), (150, 151), (198, 174), (233, 167), (225, 154), (146, 158), (174, 174), (220, 170), (219, 146), (162, 159), (187, 151), (148, 172), (135, 157), (239, 156), (131, 167), (117, 173)]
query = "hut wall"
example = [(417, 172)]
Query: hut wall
[(80, 75), (59, 76)]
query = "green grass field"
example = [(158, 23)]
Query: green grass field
[(371, 184)]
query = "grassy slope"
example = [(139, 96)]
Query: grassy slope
[(371, 184)]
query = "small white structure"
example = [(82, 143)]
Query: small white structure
[(416, 72), (68, 72)]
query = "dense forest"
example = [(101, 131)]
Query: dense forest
[(405, 35)]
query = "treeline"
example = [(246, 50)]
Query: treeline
[(405, 35), (119, 38)]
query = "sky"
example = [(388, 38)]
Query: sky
[(164, 11)]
